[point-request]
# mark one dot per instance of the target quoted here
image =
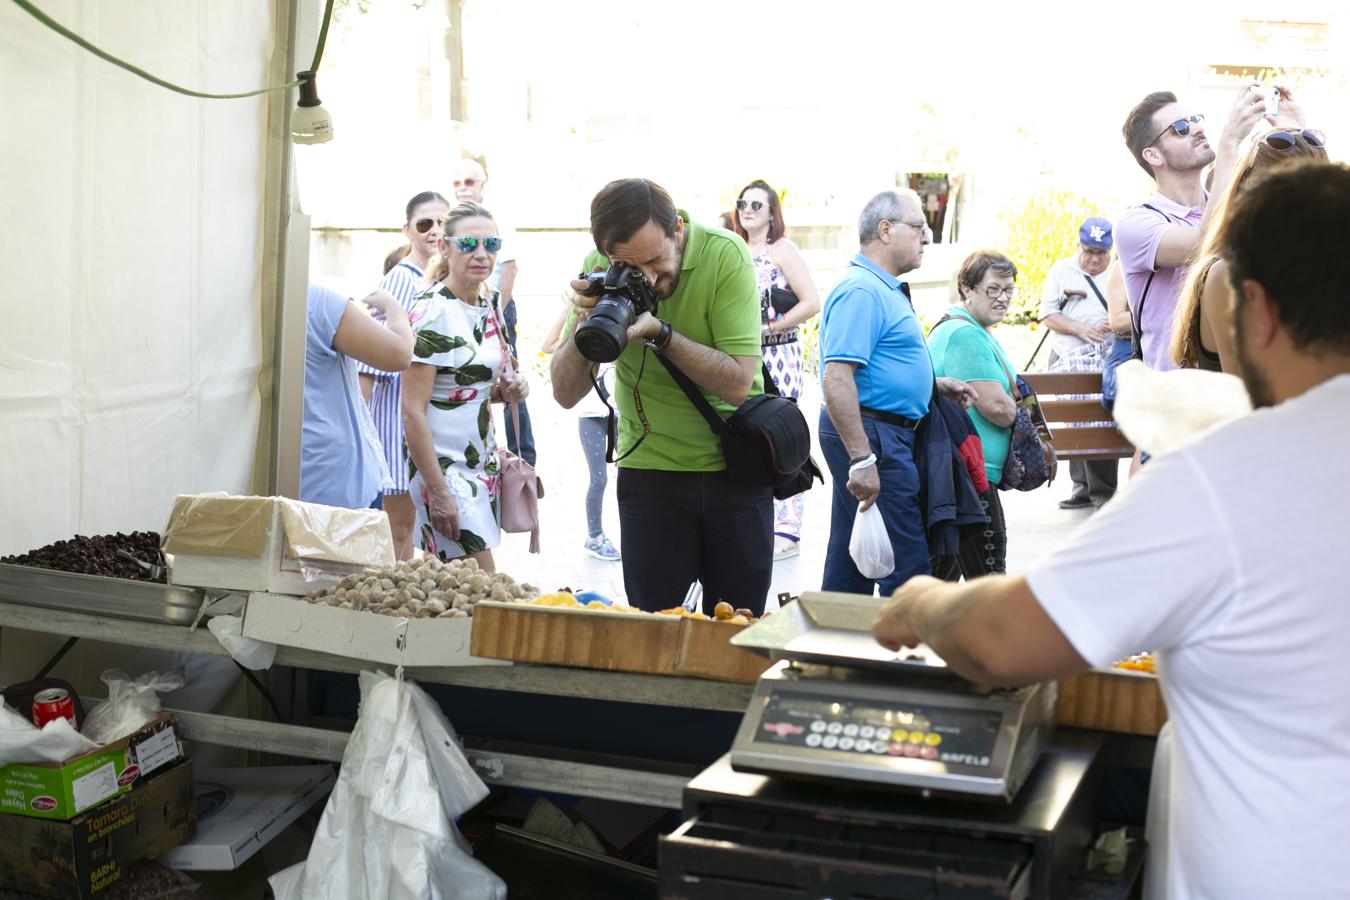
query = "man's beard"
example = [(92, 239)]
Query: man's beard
[(1255, 381), (670, 285)]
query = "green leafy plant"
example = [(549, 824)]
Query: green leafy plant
[(1037, 234)]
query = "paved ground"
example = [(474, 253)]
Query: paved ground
[(1035, 523)]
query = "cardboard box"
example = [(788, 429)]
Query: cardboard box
[(274, 544), (240, 810), (60, 791), (358, 634), (90, 854)]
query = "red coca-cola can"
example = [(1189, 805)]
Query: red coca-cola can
[(51, 704)]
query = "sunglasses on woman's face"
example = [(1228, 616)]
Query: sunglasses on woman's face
[(1285, 140), (424, 225), (466, 244), (753, 205)]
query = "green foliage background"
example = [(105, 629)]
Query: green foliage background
[(1039, 232)]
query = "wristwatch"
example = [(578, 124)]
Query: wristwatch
[(662, 339)]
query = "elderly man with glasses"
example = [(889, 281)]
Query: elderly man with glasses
[(1156, 240), (877, 382)]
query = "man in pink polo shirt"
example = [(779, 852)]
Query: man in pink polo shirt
[(1157, 240)]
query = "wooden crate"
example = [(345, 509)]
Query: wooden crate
[(583, 638), (705, 651), (1112, 700)]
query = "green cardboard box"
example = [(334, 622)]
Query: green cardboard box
[(90, 854), (61, 791)]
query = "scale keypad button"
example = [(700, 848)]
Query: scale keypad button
[(835, 727), (912, 749), (851, 729), (928, 752), (879, 746), (933, 739), (916, 737), (863, 745), (830, 742), (896, 749), (818, 726), (883, 733), (868, 731), (813, 739), (846, 743)]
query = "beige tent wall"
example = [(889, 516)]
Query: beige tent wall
[(137, 330)]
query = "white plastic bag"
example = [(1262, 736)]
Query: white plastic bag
[(387, 832), (870, 545), (130, 704), (23, 742), (249, 653)]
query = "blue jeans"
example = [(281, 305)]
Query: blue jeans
[(898, 502)]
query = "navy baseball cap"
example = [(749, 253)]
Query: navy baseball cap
[(1095, 232)]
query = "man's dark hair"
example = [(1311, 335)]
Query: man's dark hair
[(624, 206), (1139, 130), (1286, 232)]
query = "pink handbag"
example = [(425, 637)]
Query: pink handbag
[(520, 488)]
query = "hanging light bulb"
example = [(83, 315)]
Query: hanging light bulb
[(310, 123)]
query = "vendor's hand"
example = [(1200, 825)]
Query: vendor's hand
[(644, 328), (865, 484), (444, 511), (1290, 114), (1093, 334), (954, 389), (1247, 110), (512, 388), (894, 626), (580, 301), (380, 303)]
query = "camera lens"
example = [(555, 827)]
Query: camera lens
[(603, 336)]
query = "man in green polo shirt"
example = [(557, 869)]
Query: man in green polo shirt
[(681, 518)]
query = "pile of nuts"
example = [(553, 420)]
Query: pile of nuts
[(423, 589), (97, 555)]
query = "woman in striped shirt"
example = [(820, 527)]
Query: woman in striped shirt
[(423, 231)]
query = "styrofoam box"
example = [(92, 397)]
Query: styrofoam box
[(357, 634)]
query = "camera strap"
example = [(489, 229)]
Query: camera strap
[(612, 425)]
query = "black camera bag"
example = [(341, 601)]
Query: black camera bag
[(765, 441)]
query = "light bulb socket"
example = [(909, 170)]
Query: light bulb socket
[(309, 89)]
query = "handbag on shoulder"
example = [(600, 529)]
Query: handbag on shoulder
[(765, 441), (519, 487)]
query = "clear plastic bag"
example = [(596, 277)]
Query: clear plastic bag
[(388, 831), (250, 654), (130, 704), (870, 545)]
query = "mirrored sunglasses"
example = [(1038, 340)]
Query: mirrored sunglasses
[(1285, 140), (466, 244), (753, 205)]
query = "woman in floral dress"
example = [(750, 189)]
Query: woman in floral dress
[(782, 276), (456, 374)]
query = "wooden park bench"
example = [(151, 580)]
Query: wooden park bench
[(1102, 440)]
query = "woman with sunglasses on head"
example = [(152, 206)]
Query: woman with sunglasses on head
[(963, 346), (459, 368), (1201, 337), (788, 299), (404, 280)]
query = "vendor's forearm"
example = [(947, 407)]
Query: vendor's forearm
[(711, 369), (841, 403), (570, 373)]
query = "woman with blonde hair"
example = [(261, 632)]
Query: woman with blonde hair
[(1200, 332), (460, 366)]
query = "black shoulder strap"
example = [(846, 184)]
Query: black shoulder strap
[(1096, 290), (1137, 318), (715, 422)]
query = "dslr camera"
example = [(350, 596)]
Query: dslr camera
[(624, 294)]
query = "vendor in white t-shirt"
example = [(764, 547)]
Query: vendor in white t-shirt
[(1227, 558)]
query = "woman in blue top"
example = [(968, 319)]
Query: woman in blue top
[(963, 346)]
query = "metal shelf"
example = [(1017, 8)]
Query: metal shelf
[(121, 598)]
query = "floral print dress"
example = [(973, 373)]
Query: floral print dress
[(461, 341)]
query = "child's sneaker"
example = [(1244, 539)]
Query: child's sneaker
[(600, 547)]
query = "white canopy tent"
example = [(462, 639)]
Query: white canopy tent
[(144, 237)]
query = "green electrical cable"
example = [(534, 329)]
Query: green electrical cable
[(141, 73)]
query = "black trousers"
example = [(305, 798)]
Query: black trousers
[(1094, 479), (678, 527)]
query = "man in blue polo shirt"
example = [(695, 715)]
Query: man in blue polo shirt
[(877, 381)]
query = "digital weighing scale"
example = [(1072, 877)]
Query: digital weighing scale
[(839, 706)]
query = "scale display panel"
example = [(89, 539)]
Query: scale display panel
[(962, 737)]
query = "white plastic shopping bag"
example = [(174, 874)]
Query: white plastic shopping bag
[(870, 545), (388, 831)]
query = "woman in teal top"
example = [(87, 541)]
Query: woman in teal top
[(963, 346)]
